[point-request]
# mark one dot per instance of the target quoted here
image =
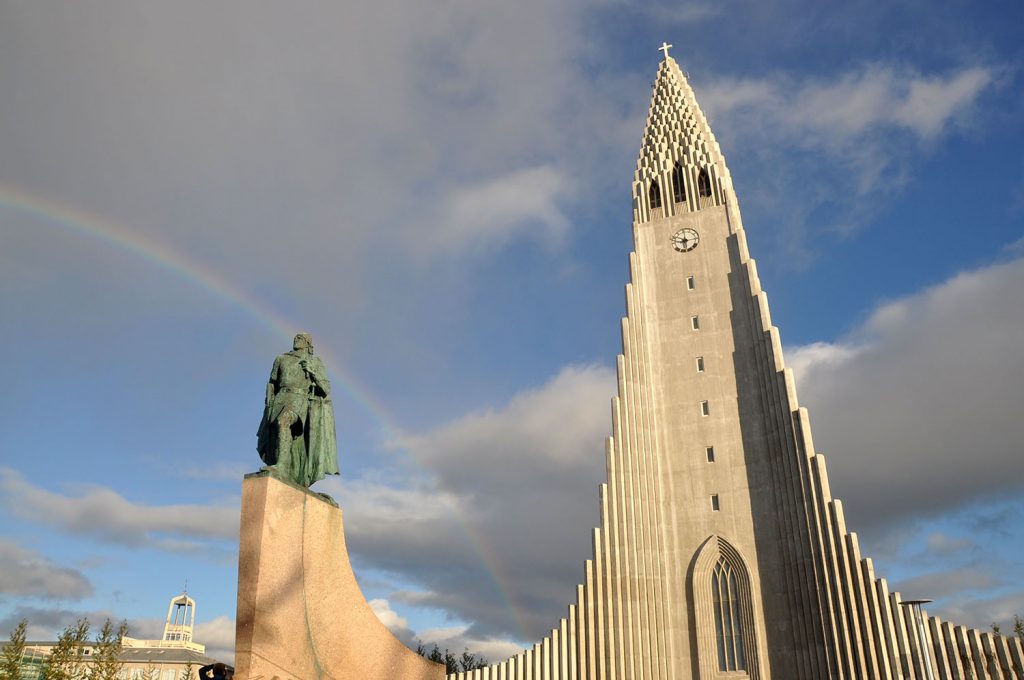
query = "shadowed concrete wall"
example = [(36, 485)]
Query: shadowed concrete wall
[(301, 614)]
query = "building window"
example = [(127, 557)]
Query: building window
[(654, 195), (705, 408), (728, 632), (700, 364), (711, 454), (695, 323), (678, 188), (703, 183), (714, 502), (690, 283)]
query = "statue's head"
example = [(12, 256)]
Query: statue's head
[(303, 341)]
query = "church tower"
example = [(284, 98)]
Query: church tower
[(721, 552), (181, 619), (726, 436)]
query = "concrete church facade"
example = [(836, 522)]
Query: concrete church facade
[(721, 552)]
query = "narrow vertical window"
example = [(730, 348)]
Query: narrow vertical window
[(695, 323), (711, 454), (714, 502), (700, 364), (728, 627), (678, 188), (705, 408), (690, 283), (654, 195), (703, 183)]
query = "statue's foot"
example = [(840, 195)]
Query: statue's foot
[(273, 471), (327, 498)]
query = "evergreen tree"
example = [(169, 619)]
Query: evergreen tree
[(106, 656), (66, 659), (471, 662), (452, 664), (1018, 626), (10, 665)]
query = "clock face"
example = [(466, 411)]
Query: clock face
[(685, 240)]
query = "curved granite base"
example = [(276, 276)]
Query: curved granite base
[(301, 614)]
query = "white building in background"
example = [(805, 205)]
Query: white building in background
[(173, 657)]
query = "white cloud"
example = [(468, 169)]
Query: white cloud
[(107, 516), (939, 584), (26, 573), (461, 535), (944, 545), (918, 410), (456, 639), (559, 424), (219, 637), (488, 214), (848, 108), (982, 610), (816, 147), (391, 620)]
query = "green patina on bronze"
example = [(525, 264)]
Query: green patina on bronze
[(296, 438)]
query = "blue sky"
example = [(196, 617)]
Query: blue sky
[(441, 196)]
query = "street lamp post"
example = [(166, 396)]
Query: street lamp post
[(922, 638)]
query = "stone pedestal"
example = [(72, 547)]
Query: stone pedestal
[(301, 614)]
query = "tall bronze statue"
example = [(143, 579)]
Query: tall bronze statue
[(296, 439)]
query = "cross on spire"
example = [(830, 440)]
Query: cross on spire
[(664, 48)]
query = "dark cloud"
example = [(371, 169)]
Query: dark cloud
[(45, 623), (26, 573), (918, 410), (937, 374), (107, 516), (499, 536)]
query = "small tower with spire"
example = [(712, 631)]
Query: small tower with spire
[(181, 619)]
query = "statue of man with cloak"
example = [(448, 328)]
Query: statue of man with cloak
[(296, 439)]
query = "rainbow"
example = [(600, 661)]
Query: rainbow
[(206, 279), (201, 276)]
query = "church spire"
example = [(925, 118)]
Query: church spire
[(681, 167)]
